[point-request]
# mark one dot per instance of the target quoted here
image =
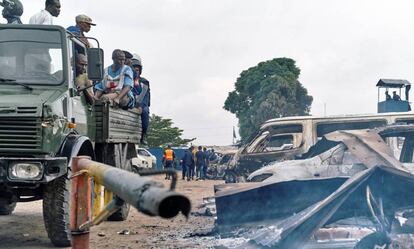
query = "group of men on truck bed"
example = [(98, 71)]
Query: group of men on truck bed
[(122, 84)]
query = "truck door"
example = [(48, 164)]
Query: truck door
[(79, 107)]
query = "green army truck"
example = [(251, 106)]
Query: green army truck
[(45, 120)]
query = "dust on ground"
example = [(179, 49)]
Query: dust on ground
[(25, 228)]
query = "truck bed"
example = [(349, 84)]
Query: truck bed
[(115, 125)]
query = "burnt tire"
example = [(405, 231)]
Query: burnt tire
[(7, 208), (56, 208)]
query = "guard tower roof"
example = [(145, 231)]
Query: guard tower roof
[(391, 83)]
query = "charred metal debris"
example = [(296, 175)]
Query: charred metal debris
[(352, 189)]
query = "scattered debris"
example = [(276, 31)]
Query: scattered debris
[(101, 234), (207, 208), (343, 178), (124, 232)]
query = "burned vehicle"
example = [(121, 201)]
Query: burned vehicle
[(286, 138), (348, 191), (216, 170)]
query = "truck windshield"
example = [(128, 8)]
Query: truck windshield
[(31, 56)]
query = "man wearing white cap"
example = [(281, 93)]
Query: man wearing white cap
[(83, 25)]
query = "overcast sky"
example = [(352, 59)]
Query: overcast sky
[(194, 50)]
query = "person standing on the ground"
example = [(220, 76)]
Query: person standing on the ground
[(206, 162), (142, 95), (187, 163), (193, 152), (200, 160), (52, 9), (12, 11), (168, 160), (83, 25)]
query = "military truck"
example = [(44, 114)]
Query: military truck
[(45, 121)]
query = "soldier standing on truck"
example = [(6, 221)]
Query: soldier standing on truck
[(12, 11), (52, 9), (83, 25), (117, 82), (142, 94), (168, 160)]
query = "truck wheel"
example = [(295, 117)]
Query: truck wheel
[(121, 214), (7, 208), (56, 208)]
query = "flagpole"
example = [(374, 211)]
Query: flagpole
[(233, 136)]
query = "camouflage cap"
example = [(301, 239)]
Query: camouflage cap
[(85, 19)]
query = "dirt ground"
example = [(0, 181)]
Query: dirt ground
[(25, 228)]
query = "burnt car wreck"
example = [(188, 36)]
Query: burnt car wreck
[(348, 191), (287, 138)]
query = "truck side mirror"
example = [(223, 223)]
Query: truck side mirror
[(95, 64)]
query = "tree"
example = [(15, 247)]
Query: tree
[(161, 133), (269, 90)]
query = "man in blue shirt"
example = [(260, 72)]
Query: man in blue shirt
[(83, 25), (117, 82), (187, 162), (200, 162)]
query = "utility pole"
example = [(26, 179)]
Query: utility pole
[(234, 135)]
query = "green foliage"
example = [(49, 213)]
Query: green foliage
[(269, 90), (161, 132)]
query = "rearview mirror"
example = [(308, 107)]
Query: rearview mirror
[(95, 64)]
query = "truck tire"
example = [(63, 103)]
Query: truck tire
[(7, 208), (56, 208), (121, 214)]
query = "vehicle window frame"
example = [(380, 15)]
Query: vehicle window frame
[(63, 47)]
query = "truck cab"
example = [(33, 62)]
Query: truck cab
[(45, 120)]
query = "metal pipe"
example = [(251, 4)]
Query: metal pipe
[(81, 206), (146, 195)]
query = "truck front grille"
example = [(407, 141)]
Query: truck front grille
[(20, 134)]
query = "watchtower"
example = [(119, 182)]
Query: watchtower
[(394, 102)]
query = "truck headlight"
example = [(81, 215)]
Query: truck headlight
[(26, 171)]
